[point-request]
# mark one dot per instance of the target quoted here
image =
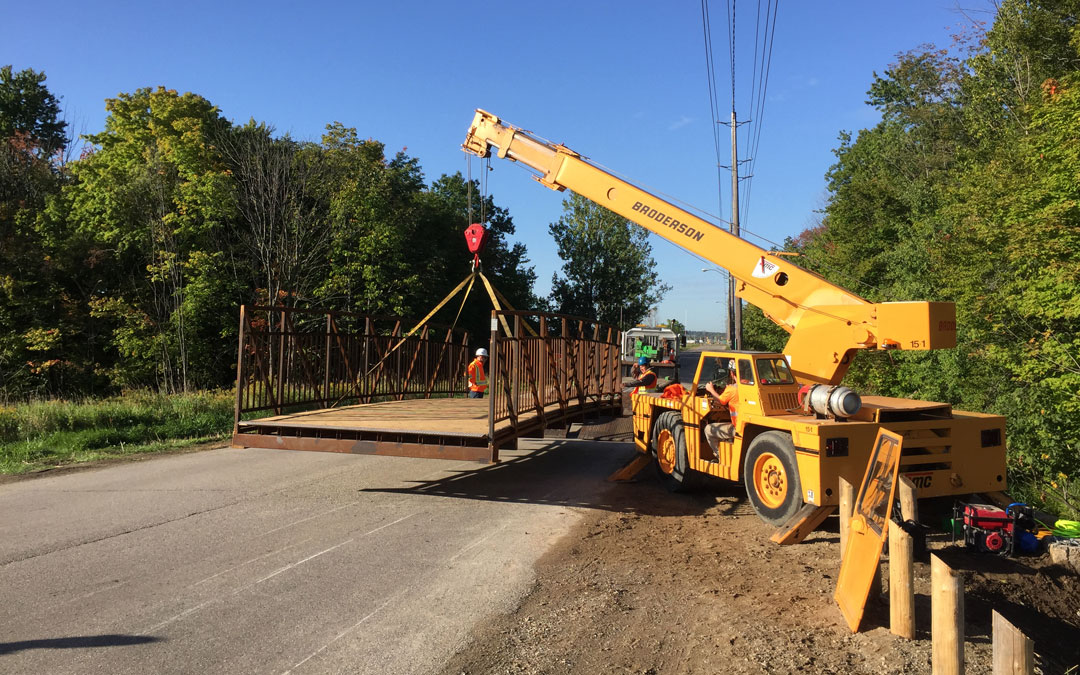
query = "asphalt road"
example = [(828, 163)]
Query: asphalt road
[(236, 561)]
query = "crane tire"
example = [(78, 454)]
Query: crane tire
[(672, 464), (771, 476)]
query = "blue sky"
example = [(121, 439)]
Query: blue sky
[(623, 83)]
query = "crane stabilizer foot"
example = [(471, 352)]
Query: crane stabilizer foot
[(628, 472), (805, 521)]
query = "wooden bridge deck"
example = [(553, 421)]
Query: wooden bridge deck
[(442, 428), (545, 370)]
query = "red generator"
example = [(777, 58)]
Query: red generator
[(994, 530)]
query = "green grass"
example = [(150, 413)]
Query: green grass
[(47, 434)]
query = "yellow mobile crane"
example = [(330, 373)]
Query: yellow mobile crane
[(797, 431)]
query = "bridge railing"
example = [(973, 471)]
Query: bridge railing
[(295, 359), (541, 363)]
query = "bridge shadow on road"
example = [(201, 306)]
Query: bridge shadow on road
[(77, 642), (573, 473)]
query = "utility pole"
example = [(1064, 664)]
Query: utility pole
[(734, 304)]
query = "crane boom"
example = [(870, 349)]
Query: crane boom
[(826, 322)]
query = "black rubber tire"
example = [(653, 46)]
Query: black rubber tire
[(779, 445), (681, 478)]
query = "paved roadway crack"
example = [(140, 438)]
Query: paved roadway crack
[(278, 490), (118, 534)]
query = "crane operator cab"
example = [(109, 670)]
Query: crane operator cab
[(750, 383), (710, 432)]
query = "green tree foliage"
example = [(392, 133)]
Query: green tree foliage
[(760, 333), (608, 270), (372, 222), (36, 317), (967, 190), (397, 247), (152, 196), (125, 268), (30, 111), (676, 326)]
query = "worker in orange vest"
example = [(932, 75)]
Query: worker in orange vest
[(644, 378), (478, 383), (724, 432)]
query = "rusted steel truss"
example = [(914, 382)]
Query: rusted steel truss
[(300, 359), (545, 370), (548, 368)]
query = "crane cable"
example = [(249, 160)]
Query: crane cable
[(468, 185)]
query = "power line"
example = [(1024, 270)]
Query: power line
[(714, 104), (761, 89), (731, 47), (718, 222)]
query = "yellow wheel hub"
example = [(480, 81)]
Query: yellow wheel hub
[(665, 451), (770, 480)]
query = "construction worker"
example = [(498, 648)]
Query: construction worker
[(643, 377), (477, 370), (724, 432), (668, 352)]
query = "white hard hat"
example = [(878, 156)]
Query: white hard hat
[(481, 352)]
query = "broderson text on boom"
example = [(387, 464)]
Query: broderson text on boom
[(665, 219)]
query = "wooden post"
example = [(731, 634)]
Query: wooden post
[(847, 504), (901, 585), (947, 618), (1014, 652), (909, 504)]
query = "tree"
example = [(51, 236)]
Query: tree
[(30, 111), (36, 310), (608, 271), (152, 194), (373, 267), (966, 191), (282, 207), (760, 333)]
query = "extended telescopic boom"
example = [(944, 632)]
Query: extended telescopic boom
[(826, 322)]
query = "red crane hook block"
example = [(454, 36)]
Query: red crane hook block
[(476, 236)]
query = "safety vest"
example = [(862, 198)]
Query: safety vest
[(477, 376), (645, 387)]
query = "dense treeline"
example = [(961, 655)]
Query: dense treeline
[(968, 190), (124, 268)]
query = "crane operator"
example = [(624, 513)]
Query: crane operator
[(724, 432)]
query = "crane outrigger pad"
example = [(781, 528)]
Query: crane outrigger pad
[(868, 527), (631, 470), (805, 521)]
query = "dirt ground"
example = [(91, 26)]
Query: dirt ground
[(665, 583)]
